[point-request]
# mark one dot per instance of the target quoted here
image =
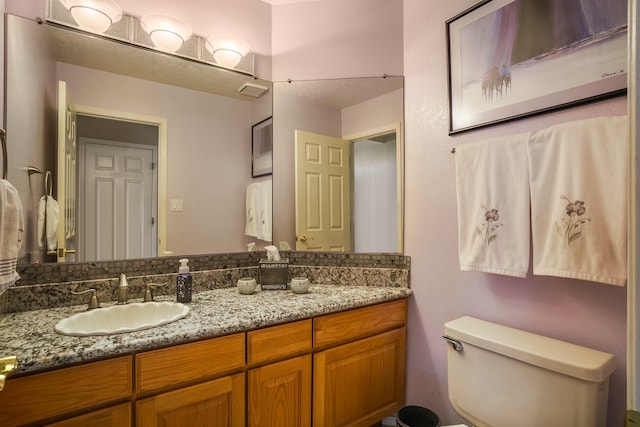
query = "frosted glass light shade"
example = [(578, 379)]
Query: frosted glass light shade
[(167, 33), (227, 51), (94, 15)]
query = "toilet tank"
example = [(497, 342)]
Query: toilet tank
[(505, 377)]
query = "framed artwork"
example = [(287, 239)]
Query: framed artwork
[(262, 148), (513, 58)]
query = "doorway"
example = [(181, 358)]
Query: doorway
[(122, 185), (377, 165)]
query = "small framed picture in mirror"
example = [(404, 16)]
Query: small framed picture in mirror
[(262, 148)]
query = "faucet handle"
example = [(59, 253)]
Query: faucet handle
[(148, 293), (93, 300), (123, 281)]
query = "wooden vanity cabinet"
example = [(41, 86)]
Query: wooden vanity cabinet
[(361, 381), (92, 389), (199, 383), (345, 369), (279, 375)]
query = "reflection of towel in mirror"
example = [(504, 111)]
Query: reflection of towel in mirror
[(579, 199), (11, 232), (251, 219), (264, 206), (259, 210), (48, 223)]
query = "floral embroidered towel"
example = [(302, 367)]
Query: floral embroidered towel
[(578, 181), (493, 206)]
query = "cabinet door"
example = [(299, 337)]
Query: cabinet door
[(116, 416), (214, 403), (360, 383), (280, 394)]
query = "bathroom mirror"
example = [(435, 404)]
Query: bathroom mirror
[(202, 178)]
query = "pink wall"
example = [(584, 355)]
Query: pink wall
[(584, 313)]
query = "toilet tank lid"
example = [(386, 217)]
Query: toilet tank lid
[(555, 355)]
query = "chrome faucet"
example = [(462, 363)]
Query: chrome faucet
[(123, 289)]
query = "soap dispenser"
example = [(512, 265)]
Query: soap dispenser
[(183, 282)]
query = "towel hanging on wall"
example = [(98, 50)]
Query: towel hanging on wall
[(493, 206), (578, 180), (11, 233)]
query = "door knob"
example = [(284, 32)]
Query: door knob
[(302, 238), (62, 252)]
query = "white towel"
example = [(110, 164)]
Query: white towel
[(11, 232), (579, 199), (48, 223), (493, 206), (265, 211), (251, 218)]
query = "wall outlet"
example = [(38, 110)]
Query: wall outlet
[(177, 205)]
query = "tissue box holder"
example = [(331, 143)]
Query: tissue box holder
[(274, 275)]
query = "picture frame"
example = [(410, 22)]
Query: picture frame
[(543, 55), (262, 148)]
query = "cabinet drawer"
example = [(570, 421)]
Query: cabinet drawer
[(173, 366), (115, 416), (49, 394), (358, 323), (278, 342)]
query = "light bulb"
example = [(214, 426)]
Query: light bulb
[(227, 51), (167, 33), (94, 15)]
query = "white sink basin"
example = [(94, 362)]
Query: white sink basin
[(118, 319)]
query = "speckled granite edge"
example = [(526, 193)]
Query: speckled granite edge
[(45, 296)]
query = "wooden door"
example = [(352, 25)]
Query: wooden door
[(360, 383), (322, 193), (214, 403), (66, 181), (280, 394)]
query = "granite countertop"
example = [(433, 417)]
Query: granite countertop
[(31, 337)]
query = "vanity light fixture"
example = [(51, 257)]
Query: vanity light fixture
[(94, 15), (227, 51), (167, 33)]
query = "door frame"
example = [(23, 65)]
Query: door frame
[(161, 123), (372, 133)]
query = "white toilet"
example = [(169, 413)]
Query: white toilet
[(504, 377)]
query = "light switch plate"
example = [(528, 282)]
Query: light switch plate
[(177, 205)]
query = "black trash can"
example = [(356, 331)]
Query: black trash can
[(417, 416)]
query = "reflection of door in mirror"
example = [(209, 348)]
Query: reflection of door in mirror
[(119, 185), (322, 192), (67, 154), (117, 193)]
